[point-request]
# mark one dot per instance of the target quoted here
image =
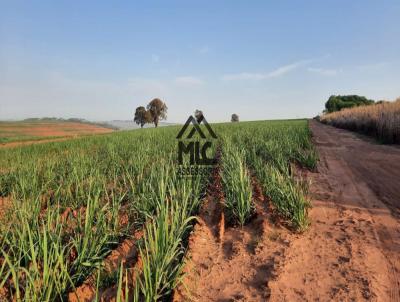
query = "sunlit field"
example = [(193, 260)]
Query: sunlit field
[(69, 206), (379, 120), (35, 130)]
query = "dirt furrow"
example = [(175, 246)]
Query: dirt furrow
[(127, 253), (237, 265)]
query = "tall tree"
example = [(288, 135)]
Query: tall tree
[(142, 116), (235, 118), (158, 110), (339, 102)]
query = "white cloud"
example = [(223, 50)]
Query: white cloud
[(324, 72), (155, 58), (278, 72), (285, 69), (188, 81)]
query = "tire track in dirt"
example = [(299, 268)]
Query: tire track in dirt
[(351, 251)]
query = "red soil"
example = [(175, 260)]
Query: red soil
[(24, 143), (5, 203), (128, 254), (63, 130), (352, 250), (231, 264)]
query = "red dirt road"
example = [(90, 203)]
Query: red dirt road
[(352, 250)]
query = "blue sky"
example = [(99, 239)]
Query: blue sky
[(260, 59)]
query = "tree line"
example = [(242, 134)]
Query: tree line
[(156, 110), (339, 102)]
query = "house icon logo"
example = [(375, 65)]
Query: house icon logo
[(195, 146), (196, 128)]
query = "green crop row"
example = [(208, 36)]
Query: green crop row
[(74, 201), (269, 150), (237, 184)]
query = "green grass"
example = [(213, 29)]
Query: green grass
[(100, 178)]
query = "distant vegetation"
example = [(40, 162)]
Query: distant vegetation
[(234, 118), (142, 116), (71, 120), (381, 120), (339, 102), (198, 114), (156, 111)]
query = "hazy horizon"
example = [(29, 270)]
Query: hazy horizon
[(100, 60)]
